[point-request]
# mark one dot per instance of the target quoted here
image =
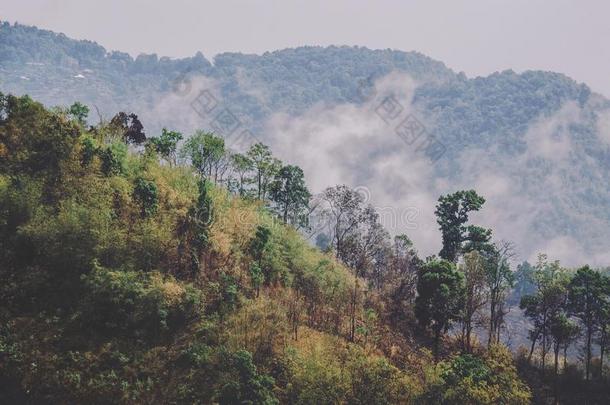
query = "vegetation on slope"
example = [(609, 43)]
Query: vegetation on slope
[(134, 272)]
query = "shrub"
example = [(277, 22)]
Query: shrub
[(144, 305)]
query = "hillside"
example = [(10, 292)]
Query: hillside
[(130, 279)]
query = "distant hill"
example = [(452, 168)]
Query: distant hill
[(536, 143)]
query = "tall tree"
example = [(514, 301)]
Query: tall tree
[(499, 281), (546, 307), (166, 145), (241, 166), (79, 112), (344, 211), (290, 195), (524, 281), (603, 315), (400, 279), (585, 293), (265, 167), (452, 214), (129, 127), (358, 237), (475, 296), (207, 154), (562, 330)]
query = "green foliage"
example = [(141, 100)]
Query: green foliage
[(440, 297), (452, 214), (79, 112), (469, 379), (206, 152), (32, 139), (259, 242), (588, 297), (265, 168), (142, 305), (328, 373), (113, 159), (128, 127), (166, 144), (89, 150), (202, 217), (257, 276), (146, 195), (245, 385), (290, 194)]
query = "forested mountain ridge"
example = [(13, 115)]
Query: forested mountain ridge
[(540, 130)]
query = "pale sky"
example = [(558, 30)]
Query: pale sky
[(477, 37)]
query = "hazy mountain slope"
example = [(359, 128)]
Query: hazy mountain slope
[(536, 144)]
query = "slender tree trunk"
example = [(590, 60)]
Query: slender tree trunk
[(529, 357), (437, 338), (492, 307), (602, 352), (352, 334), (588, 360), (556, 366), (556, 349), (565, 357), (468, 337), (259, 184)]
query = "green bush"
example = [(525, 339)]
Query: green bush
[(143, 305)]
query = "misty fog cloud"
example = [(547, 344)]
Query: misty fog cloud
[(358, 145), (351, 144)]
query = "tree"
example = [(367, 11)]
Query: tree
[(245, 385), (358, 237), (113, 158), (32, 139), (400, 278), (524, 281), (475, 293), (146, 194), (499, 281), (477, 239), (562, 331), (79, 112), (257, 248), (585, 294), (241, 165), (546, 308), (344, 211), (603, 315), (290, 195), (207, 154), (129, 128), (265, 167), (452, 214), (440, 297), (197, 226), (166, 145)]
